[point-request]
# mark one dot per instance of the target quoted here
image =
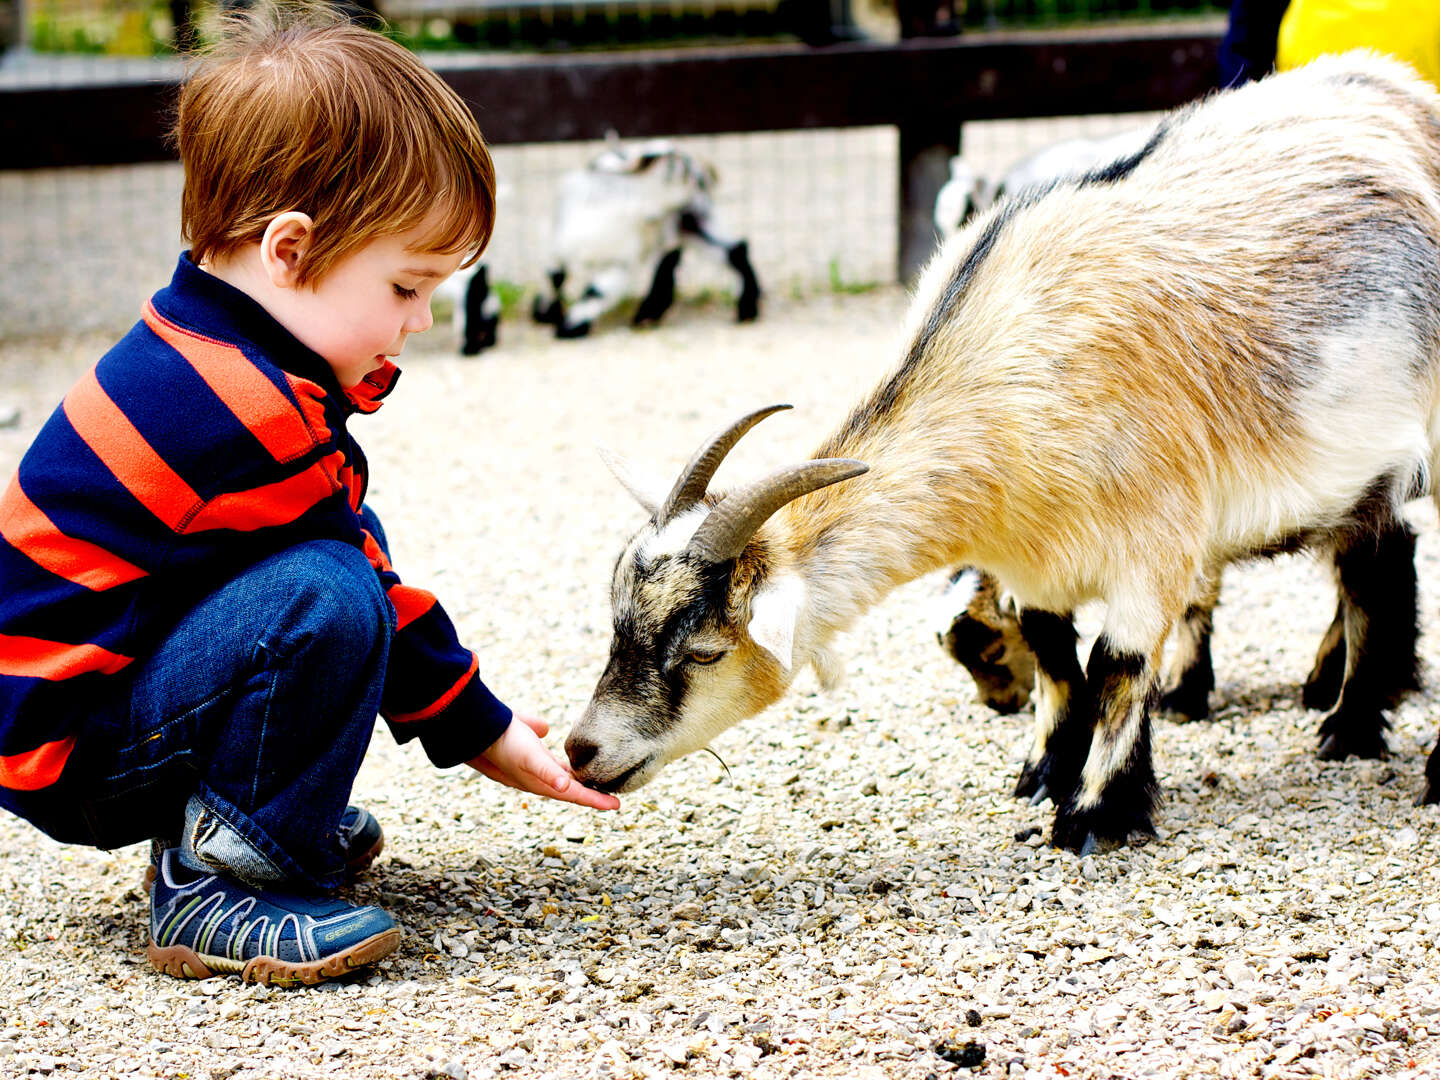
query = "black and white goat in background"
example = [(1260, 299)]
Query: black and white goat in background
[(622, 221), (1224, 344), (475, 309), (967, 193)]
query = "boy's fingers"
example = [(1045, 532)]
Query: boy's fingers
[(535, 724), (575, 792), (557, 783)]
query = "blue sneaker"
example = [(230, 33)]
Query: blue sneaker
[(202, 925), (360, 835), (361, 839)]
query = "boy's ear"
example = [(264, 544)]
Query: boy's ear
[(774, 610), (283, 246)]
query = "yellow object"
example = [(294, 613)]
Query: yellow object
[(131, 39), (1408, 29)]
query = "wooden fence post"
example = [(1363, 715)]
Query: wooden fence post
[(926, 147), (927, 143)]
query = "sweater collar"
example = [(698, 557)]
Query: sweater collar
[(215, 308)]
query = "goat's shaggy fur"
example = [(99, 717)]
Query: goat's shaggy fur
[(1223, 344)]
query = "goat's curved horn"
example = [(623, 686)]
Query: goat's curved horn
[(695, 477), (724, 534)]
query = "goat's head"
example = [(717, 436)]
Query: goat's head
[(705, 615), (980, 628)]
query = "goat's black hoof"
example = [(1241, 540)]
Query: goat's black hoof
[(1337, 747), (569, 333), (475, 346), (1045, 779), (1029, 783), (1183, 705), (1124, 809), (551, 314), (748, 309), (1430, 796), (1076, 832), (1343, 736), (1093, 832)]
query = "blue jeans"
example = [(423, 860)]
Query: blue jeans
[(240, 736)]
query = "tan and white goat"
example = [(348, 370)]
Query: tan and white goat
[(1226, 343)]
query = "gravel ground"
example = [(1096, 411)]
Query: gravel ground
[(857, 895)]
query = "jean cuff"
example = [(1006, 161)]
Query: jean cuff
[(219, 839)]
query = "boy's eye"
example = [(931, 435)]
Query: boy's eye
[(406, 294)]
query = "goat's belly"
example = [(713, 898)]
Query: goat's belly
[(1264, 520)]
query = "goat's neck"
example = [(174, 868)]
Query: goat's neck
[(854, 542)]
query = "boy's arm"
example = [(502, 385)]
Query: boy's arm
[(433, 689)]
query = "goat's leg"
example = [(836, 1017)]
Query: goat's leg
[(1321, 689), (747, 307), (1063, 714), (662, 290), (551, 312), (1191, 677), (1117, 793), (1431, 794), (482, 314), (699, 220), (1378, 596), (604, 291)]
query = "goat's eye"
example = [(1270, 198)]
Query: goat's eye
[(704, 656)]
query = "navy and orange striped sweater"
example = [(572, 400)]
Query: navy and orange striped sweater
[(207, 438)]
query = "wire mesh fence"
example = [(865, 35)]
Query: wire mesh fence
[(81, 249)]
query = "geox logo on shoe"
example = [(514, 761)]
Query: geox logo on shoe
[(332, 936)]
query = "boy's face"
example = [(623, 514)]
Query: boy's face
[(361, 312)]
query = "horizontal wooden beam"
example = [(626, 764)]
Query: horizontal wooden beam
[(697, 92)]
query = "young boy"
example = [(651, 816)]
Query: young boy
[(198, 619)]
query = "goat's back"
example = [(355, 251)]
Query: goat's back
[(1230, 336)]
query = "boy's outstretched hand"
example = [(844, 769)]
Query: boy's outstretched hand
[(519, 759)]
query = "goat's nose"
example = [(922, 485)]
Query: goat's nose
[(581, 753)]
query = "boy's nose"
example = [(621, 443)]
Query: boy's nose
[(420, 321)]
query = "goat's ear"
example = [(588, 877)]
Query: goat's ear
[(648, 492), (774, 611)]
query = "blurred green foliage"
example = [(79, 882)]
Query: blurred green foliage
[(111, 27), (988, 13), (146, 27)]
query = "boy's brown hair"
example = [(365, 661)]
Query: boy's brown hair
[(297, 108)]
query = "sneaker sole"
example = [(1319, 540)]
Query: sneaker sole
[(354, 868), (184, 962)]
